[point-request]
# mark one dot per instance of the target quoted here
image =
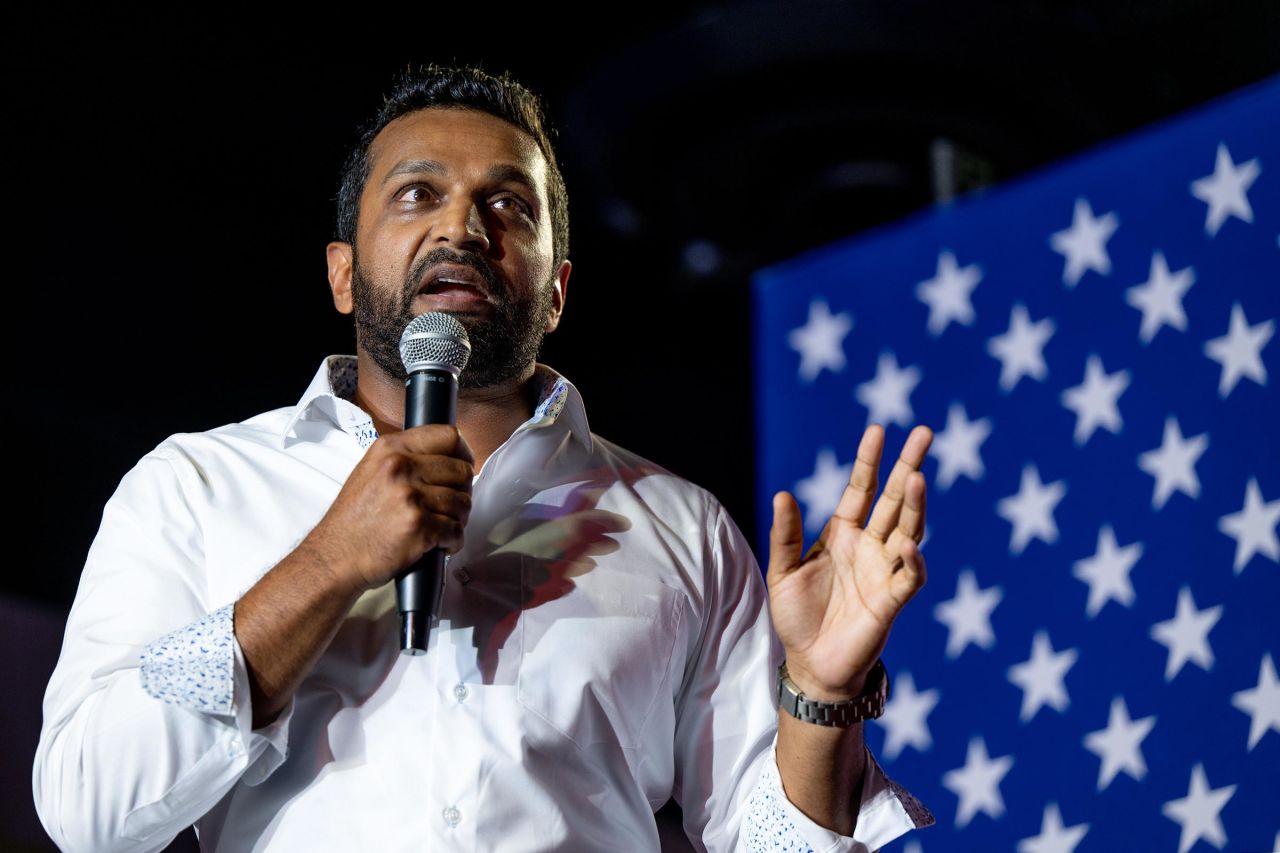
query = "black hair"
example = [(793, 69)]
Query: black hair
[(466, 87)]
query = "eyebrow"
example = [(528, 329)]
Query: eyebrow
[(499, 174), (415, 167)]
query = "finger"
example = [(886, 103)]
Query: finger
[(786, 536), (864, 480), (452, 537), (443, 471), (907, 579), (442, 500), (433, 439), (885, 515), (911, 520), (442, 531), (463, 450)]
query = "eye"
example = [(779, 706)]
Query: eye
[(509, 201), (422, 190)]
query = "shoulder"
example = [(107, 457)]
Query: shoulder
[(189, 455), (266, 428)]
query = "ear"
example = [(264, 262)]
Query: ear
[(560, 289), (339, 259)]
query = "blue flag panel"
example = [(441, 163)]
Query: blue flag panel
[(1092, 664)]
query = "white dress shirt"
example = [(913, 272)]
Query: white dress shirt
[(604, 644)]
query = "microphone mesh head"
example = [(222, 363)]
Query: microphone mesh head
[(435, 340)]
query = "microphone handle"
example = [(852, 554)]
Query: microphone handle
[(431, 397)]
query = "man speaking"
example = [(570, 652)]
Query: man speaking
[(604, 641)]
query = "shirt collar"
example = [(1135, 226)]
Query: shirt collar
[(332, 395)]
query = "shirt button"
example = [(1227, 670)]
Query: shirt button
[(234, 750), (460, 692), (463, 576), (452, 816)]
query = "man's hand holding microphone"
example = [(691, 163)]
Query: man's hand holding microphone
[(401, 509)]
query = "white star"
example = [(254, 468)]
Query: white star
[(1226, 190), (1187, 634), (1053, 837), (947, 293), (820, 341), (1041, 677), (1253, 527), (1239, 351), (1107, 571), (1159, 298), (1198, 812), (887, 397), (822, 489), (968, 615), (1119, 745), (1095, 399), (1021, 348), (977, 784), (1030, 511), (1262, 703), (957, 447), (1173, 463), (904, 717), (1084, 244)]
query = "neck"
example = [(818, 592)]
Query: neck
[(486, 416)]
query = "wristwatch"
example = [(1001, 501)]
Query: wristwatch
[(868, 706)]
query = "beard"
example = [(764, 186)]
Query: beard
[(502, 345)]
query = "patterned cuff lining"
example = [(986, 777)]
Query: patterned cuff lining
[(915, 809), (768, 826), (193, 666)]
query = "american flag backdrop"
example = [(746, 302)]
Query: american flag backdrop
[(1092, 664)]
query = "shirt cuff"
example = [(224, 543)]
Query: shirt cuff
[(192, 666), (201, 667), (886, 812)]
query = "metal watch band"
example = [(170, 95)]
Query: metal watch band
[(868, 706)]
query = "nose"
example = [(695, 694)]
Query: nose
[(462, 226)]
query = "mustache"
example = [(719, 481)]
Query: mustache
[(417, 273)]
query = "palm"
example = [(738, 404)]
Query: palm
[(832, 610)]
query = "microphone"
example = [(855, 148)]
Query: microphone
[(434, 349)]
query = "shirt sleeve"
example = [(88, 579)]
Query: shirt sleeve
[(201, 667), (727, 779), (886, 812), (128, 755)]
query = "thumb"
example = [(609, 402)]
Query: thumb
[(463, 449), (786, 536)]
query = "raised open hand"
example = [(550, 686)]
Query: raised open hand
[(833, 608)]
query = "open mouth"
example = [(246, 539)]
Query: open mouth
[(453, 290), (454, 280), (454, 286)]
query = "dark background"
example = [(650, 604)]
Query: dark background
[(170, 185)]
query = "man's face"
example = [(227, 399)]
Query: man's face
[(453, 218)]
